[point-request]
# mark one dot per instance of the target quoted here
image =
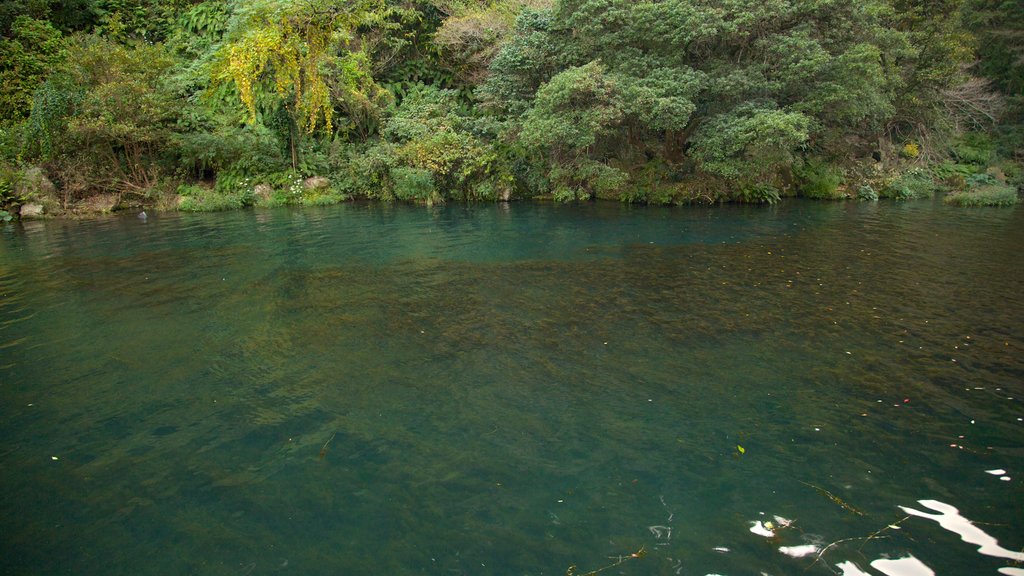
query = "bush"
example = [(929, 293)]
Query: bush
[(760, 194), (867, 194), (910, 150), (201, 199), (915, 184), (974, 148), (10, 180), (414, 184), (819, 180), (984, 195)]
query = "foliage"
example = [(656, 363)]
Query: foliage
[(32, 50), (105, 115), (999, 26), (866, 193), (915, 184), (910, 150), (202, 199), (472, 35), (662, 101), (414, 184), (974, 148), (286, 46), (427, 135), (10, 180), (993, 194), (760, 194), (749, 142), (819, 180), (736, 91)]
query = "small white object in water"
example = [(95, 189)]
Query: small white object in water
[(761, 530), (1009, 571), (721, 549), (799, 551), (54, 458), (783, 522), (996, 472), (1004, 478)]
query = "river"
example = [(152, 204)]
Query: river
[(810, 388)]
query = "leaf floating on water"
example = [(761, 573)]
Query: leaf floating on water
[(741, 449)]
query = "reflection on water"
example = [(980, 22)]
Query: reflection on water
[(949, 518), (908, 566), (517, 390)]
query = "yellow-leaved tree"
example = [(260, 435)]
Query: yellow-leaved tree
[(286, 49)]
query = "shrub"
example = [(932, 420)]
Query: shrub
[(201, 199), (974, 148), (10, 180), (910, 150), (984, 195), (819, 180), (414, 184), (915, 184), (867, 193), (760, 194), (32, 50)]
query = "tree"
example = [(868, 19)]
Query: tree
[(732, 90), (32, 51), (280, 50), (103, 120)]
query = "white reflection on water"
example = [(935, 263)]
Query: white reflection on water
[(851, 569), (949, 518), (908, 566), (799, 551)]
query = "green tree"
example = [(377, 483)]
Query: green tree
[(32, 51), (103, 121), (732, 90)]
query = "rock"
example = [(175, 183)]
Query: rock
[(35, 183), (263, 191), (316, 183), (31, 210), (101, 203)]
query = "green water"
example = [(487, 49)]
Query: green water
[(511, 390)]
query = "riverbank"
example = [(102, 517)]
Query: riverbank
[(959, 183)]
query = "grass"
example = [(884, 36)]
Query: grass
[(986, 195)]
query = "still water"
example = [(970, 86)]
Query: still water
[(812, 388)]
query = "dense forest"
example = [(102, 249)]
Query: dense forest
[(178, 104)]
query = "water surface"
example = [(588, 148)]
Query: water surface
[(514, 390)]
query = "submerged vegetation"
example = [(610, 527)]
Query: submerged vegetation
[(221, 104)]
